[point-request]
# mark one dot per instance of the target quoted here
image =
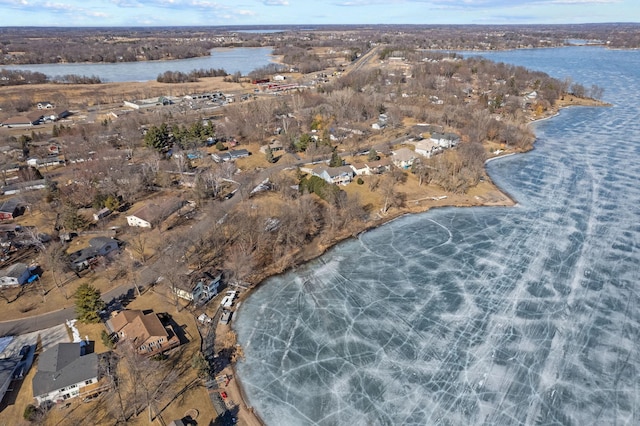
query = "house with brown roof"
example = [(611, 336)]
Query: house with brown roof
[(144, 329), (23, 120), (403, 158)]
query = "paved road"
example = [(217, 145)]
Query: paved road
[(51, 319), (40, 322)]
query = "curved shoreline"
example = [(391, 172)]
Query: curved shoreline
[(383, 221)]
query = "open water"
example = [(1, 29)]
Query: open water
[(477, 316), (243, 59)]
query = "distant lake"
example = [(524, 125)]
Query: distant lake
[(243, 59)]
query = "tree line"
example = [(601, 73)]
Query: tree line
[(19, 77), (192, 76)]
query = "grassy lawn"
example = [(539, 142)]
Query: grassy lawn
[(183, 394)]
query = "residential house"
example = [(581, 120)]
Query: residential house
[(155, 213), (11, 208), (101, 214), (371, 167), (48, 161), (378, 166), (230, 155), (427, 148), (275, 146), (8, 234), (98, 247), (342, 175), (149, 103), (403, 158), (65, 371), (31, 185), (56, 115), (45, 105), (15, 275), (7, 368), (359, 168), (200, 288), (445, 140), (23, 120), (148, 335)]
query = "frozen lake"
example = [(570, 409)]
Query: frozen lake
[(494, 316), (242, 59)]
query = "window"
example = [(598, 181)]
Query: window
[(88, 382)]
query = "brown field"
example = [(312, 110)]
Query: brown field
[(84, 95)]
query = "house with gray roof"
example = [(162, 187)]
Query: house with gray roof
[(230, 155), (445, 140), (98, 247), (64, 371), (15, 275), (342, 175), (16, 188), (11, 208)]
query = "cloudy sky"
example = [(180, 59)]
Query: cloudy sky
[(71, 13)]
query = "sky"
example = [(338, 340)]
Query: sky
[(108, 13)]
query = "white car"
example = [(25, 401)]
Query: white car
[(227, 301)]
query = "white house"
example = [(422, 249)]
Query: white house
[(427, 148), (445, 140), (154, 213), (359, 169), (65, 371), (371, 167), (45, 105)]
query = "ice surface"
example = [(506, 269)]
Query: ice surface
[(496, 316)]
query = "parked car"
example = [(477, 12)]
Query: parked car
[(226, 317)]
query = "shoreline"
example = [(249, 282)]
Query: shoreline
[(405, 211)]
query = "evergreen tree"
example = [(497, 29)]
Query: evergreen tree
[(336, 160), (88, 303), (269, 156), (373, 155), (157, 137)]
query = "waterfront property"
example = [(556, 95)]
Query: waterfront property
[(342, 175), (144, 331), (200, 288), (404, 158)]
